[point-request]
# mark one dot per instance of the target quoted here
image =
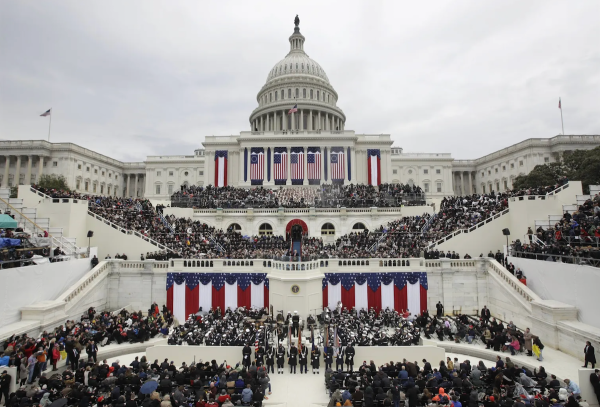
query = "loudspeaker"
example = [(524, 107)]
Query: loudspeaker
[(90, 233), (506, 232)]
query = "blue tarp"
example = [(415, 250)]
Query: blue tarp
[(9, 242)]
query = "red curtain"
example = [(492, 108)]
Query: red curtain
[(218, 298), (423, 298), (192, 300), (244, 297), (374, 298), (170, 299), (400, 299), (266, 297), (348, 297), (325, 296)]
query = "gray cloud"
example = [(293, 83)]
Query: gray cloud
[(131, 79)]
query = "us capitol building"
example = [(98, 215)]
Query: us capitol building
[(297, 136)]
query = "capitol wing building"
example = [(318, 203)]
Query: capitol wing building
[(297, 136)]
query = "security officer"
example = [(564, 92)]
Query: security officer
[(293, 358)]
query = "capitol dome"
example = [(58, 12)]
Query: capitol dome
[(297, 80)]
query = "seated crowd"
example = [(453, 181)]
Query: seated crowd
[(324, 196)]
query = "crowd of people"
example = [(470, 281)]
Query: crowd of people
[(452, 383), (33, 356), (324, 196)]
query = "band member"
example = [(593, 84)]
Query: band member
[(315, 359), (280, 358)]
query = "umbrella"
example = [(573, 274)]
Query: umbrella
[(148, 387), (59, 403)]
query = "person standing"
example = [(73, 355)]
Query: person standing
[(315, 359), (589, 354), (246, 352), (293, 358), (528, 338), (350, 352), (4, 386), (280, 358), (440, 309), (270, 359), (303, 359), (328, 354), (92, 351), (339, 358)]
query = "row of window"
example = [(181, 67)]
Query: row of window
[(327, 229), (310, 94), (87, 169), (512, 166), (86, 188), (159, 173), (299, 68), (425, 171)]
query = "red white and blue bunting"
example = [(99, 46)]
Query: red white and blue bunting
[(399, 291), (187, 292)]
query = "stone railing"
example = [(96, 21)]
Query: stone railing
[(516, 287), (80, 287), (557, 190)]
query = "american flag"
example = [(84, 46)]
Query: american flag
[(559, 105), (337, 163), (297, 163), (280, 163), (313, 160), (257, 164), (293, 109), (47, 113)]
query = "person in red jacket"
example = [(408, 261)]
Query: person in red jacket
[(223, 397)]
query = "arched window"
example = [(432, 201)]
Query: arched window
[(318, 95), (276, 95), (289, 93), (359, 225), (297, 93), (304, 93), (411, 182), (265, 230), (327, 229), (270, 97), (303, 66), (235, 227), (282, 94), (311, 93)]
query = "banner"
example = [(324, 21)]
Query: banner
[(220, 168), (187, 292), (374, 167), (297, 165), (257, 165), (313, 166), (399, 291), (337, 165), (280, 165)]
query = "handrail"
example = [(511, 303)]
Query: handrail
[(469, 229), (132, 232), (524, 293), (25, 217), (40, 193), (560, 188)]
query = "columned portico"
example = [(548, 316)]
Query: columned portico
[(6, 171)]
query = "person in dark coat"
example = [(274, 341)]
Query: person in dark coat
[(328, 354), (270, 359), (315, 359), (280, 358), (350, 352), (440, 308), (589, 354), (246, 353), (412, 395), (595, 382), (293, 358), (303, 359)]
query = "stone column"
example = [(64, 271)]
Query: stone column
[(462, 184), (301, 121), (293, 121), (127, 182), (310, 120), (470, 184), (28, 174), (6, 168), (447, 286), (18, 171), (283, 120), (319, 120), (40, 168), (326, 127), (261, 124), (135, 191), (353, 165), (240, 157)]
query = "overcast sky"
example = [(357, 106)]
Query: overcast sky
[(135, 78)]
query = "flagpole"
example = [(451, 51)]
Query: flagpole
[(561, 119), (50, 125)]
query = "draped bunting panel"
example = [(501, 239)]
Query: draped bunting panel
[(257, 165), (400, 291), (297, 165), (313, 166), (220, 168), (374, 167), (280, 165), (186, 292), (338, 165)]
